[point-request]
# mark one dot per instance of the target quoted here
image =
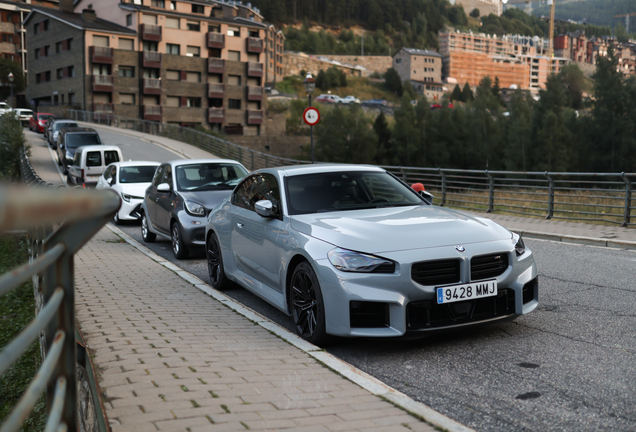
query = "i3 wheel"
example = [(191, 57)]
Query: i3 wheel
[(178, 247), (307, 307), (215, 263), (148, 236)]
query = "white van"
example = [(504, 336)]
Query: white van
[(89, 163)]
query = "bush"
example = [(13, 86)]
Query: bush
[(11, 141), (277, 106)]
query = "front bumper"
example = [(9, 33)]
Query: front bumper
[(192, 230), (391, 305), (130, 211)]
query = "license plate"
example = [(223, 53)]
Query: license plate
[(471, 291)]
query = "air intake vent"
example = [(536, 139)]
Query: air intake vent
[(440, 272), (488, 266)]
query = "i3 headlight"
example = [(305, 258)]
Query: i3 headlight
[(520, 246), (127, 197), (194, 208), (350, 261)]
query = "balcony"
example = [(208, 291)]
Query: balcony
[(151, 59), (151, 86), (216, 91), (254, 45), (216, 65), (254, 69), (254, 117), (216, 40), (216, 115), (254, 93), (150, 32), (152, 112), (101, 54), (103, 108), (103, 83)]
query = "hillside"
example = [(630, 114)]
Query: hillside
[(598, 12)]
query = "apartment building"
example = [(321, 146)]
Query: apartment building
[(486, 7), (178, 62), (423, 69), (519, 61)]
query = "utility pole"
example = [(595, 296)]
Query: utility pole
[(551, 42), (626, 19), (362, 38)]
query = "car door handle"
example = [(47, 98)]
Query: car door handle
[(240, 225)]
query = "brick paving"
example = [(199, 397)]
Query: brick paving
[(169, 357)]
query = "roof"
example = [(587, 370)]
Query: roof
[(135, 163), (77, 130), (429, 53), (75, 20), (292, 170), (180, 162)]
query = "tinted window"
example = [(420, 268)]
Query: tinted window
[(136, 174), (339, 191), (209, 176), (109, 173), (255, 188), (45, 117), (156, 180), (93, 158), (76, 159), (167, 175), (111, 156), (59, 125), (75, 140)]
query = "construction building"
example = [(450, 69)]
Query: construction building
[(486, 7), (519, 61), (423, 69), (181, 62)]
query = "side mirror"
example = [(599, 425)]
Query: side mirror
[(61, 145), (163, 187), (111, 181), (264, 208), (428, 197)]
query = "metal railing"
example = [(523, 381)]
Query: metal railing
[(589, 197), (60, 222)]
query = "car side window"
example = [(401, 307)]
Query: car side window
[(108, 174), (94, 159), (167, 175), (156, 180), (110, 156), (255, 188), (76, 158)]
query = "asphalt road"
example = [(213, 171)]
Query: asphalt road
[(569, 365)]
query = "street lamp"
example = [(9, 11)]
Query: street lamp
[(11, 84), (310, 86)]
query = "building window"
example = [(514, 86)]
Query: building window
[(193, 25), (174, 23), (173, 75), (126, 99), (58, 47), (194, 77), (151, 46), (127, 71), (129, 20), (102, 41), (234, 80), (199, 9), (254, 33), (173, 101), (59, 74), (126, 44), (101, 69), (214, 28), (149, 19), (173, 5), (157, 3), (151, 73), (234, 31), (193, 51), (193, 102), (214, 52), (234, 55), (173, 49), (234, 103), (70, 71)]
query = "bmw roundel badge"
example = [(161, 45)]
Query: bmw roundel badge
[(460, 248)]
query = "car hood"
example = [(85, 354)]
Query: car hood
[(134, 189), (398, 228), (209, 199)]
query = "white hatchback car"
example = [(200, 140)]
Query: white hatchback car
[(130, 180), (349, 100)]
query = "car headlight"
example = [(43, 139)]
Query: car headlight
[(127, 197), (350, 261), (194, 208), (69, 156), (520, 246)]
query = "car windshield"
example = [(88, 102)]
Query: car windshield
[(347, 190), (44, 117), (209, 176), (59, 125), (136, 174), (75, 140)]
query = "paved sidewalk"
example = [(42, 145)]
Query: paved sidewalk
[(170, 357), (41, 159)]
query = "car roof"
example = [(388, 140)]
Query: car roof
[(135, 163), (48, 114), (293, 170), (97, 147), (77, 129), (180, 162)]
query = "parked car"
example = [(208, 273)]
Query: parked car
[(181, 195), (328, 98), (375, 103), (130, 180), (70, 139), (89, 163), (24, 115), (38, 120), (5, 108), (53, 129), (351, 250), (349, 100)]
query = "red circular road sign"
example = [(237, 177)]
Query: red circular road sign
[(311, 116)]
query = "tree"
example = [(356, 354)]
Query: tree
[(496, 89), (518, 132), (11, 141), (575, 84), (474, 13), (393, 81), (19, 81), (467, 93), (457, 94), (381, 129)]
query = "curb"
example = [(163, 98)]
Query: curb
[(364, 380), (590, 241)]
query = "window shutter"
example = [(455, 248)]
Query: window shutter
[(184, 75), (42, 52), (65, 45), (65, 72), (184, 101)]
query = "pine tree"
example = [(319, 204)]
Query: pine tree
[(457, 94), (467, 93)]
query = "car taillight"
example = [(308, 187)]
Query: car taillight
[(82, 175)]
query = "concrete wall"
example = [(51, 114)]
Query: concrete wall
[(294, 63), (379, 64)]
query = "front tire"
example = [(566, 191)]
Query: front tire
[(116, 219), (215, 263), (148, 236), (308, 310), (178, 246)]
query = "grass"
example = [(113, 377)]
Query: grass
[(360, 87), (17, 309)]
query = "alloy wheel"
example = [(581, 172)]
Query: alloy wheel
[(214, 261), (304, 304)]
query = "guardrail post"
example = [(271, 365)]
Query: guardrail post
[(550, 195), (443, 174), (403, 175), (252, 160), (491, 192), (266, 162), (628, 200)]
